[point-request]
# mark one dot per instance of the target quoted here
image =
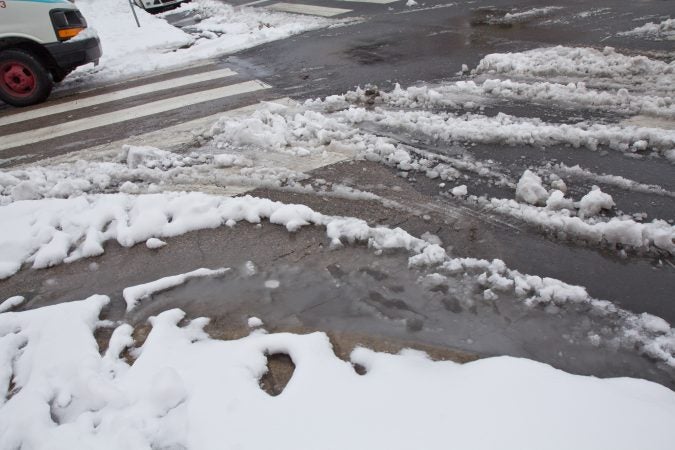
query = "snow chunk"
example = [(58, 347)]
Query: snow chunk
[(154, 243), (459, 191), (254, 322), (11, 303), (272, 284), (530, 189), (133, 294), (593, 202), (557, 201)]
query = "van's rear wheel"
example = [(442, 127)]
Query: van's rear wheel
[(24, 80)]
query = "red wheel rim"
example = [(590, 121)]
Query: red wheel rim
[(17, 79)]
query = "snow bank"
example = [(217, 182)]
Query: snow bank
[(48, 232), (129, 50), (584, 63), (133, 294), (185, 390)]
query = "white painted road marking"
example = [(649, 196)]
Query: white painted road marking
[(148, 109), (257, 2), (311, 10), (114, 96)]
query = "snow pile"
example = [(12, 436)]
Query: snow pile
[(584, 63), (186, 390), (530, 189), (664, 30), (48, 232), (133, 294), (129, 50), (593, 202)]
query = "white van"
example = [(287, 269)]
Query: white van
[(41, 41)]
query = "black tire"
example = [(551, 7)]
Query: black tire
[(24, 80)]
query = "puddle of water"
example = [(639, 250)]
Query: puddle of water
[(359, 293)]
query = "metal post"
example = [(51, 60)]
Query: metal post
[(133, 11)]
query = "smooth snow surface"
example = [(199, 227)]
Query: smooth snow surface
[(129, 50), (185, 390)]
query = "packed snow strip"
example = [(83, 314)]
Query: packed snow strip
[(52, 231), (526, 15), (664, 30), (470, 93), (134, 294), (617, 231), (511, 130), (605, 65), (186, 390), (156, 45), (612, 180)]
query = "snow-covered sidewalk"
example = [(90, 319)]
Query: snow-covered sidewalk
[(219, 29)]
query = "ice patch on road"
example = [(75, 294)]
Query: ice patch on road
[(67, 395)]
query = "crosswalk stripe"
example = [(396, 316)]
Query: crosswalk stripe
[(311, 10), (257, 2), (114, 96), (147, 109)]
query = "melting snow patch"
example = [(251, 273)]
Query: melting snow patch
[(132, 295)]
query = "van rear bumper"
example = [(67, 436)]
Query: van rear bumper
[(69, 55)]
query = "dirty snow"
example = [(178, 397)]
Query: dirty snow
[(67, 395)]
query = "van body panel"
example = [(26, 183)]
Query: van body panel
[(29, 19)]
